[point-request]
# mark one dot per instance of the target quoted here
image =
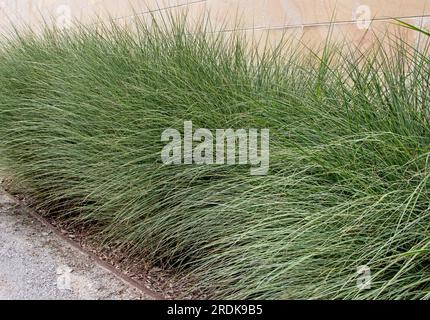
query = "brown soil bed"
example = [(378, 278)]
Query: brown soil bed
[(163, 282)]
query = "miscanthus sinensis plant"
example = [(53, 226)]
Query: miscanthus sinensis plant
[(82, 111)]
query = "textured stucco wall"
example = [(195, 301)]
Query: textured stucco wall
[(308, 20)]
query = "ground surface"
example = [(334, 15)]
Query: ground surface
[(35, 263)]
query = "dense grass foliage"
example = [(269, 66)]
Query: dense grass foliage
[(81, 116)]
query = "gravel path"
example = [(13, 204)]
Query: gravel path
[(37, 264)]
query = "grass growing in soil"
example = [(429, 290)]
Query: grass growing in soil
[(81, 116)]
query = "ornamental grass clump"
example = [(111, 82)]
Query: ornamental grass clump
[(82, 113)]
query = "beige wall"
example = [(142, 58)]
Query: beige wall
[(308, 20)]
